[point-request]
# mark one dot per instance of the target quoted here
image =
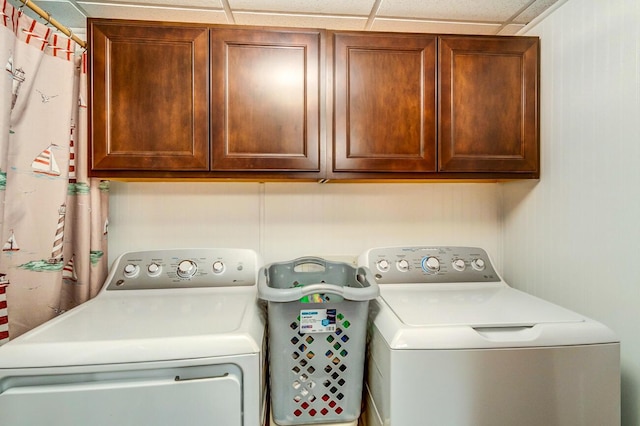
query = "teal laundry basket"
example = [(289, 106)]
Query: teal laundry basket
[(317, 315)]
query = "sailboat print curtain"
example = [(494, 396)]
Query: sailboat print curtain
[(52, 216)]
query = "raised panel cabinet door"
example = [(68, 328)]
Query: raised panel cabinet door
[(265, 100), (489, 104), (384, 102), (149, 104)]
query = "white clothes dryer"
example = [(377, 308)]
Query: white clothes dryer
[(452, 344), (174, 337)]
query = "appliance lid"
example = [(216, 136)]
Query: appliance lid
[(144, 326), (473, 305)]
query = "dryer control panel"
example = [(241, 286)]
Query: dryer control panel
[(429, 264), (180, 268)]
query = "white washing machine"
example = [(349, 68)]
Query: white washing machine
[(452, 344), (174, 337)]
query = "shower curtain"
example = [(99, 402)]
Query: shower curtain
[(53, 218)]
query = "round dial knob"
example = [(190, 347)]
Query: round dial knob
[(431, 264), (383, 265), (478, 264), (186, 269), (458, 265), (218, 267), (153, 269), (403, 265), (131, 270)]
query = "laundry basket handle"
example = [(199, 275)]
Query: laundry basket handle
[(309, 260), (368, 291)]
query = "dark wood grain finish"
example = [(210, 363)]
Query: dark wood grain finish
[(384, 108), (199, 101), (488, 104), (265, 100), (149, 96)]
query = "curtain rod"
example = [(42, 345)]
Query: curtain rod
[(46, 15)]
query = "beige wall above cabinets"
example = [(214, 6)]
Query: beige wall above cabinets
[(191, 101)]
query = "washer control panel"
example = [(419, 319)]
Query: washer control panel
[(429, 264), (180, 268)]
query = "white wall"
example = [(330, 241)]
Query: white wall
[(287, 220), (574, 237)]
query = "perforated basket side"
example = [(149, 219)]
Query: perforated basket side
[(316, 377)]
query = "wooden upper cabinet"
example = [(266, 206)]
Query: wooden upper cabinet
[(178, 100), (384, 102), (489, 105), (149, 96), (265, 100)]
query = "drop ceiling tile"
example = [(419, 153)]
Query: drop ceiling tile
[(302, 21), (102, 10), (324, 7), (533, 11), (438, 27), (63, 12), (178, 4), (453, 10)]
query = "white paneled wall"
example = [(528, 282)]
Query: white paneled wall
[(287, 220), (574, 237), (145, 216), (347, 219)]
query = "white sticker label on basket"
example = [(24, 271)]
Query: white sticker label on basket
[(317, 321)]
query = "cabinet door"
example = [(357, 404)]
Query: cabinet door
[(149, 106), (488, 105), (384, 103), (265, 100)]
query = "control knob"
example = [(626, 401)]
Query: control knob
[(383, 265), (403, 265), (218, 267), (186, 269), (153, 269), (431, 264), (458, 265), (478, 264), (131, 270)]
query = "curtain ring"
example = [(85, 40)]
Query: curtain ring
[(48, 17)]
